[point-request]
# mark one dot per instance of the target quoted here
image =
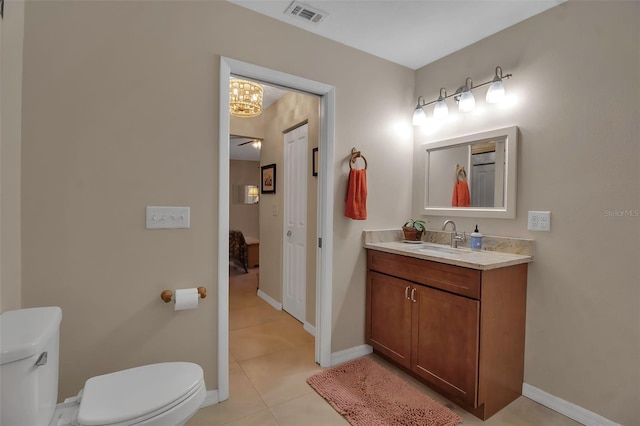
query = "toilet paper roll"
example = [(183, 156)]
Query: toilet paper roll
[(186, 298)]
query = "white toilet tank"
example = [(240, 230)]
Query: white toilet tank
[(29, 345)]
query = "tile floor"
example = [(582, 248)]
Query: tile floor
[(270, 358)]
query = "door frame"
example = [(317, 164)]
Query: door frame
[(324, 269)]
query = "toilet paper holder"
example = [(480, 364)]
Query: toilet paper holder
[(167, 295)]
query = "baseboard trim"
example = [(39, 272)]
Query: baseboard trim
[(210, 398), (309, 329), (569, 409), (264, 296), (350, 354)]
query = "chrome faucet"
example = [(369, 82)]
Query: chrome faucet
[(455, 237)]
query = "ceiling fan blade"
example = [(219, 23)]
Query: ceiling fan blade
[(251, 141)]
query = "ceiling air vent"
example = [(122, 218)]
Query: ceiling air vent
[(305, 12)]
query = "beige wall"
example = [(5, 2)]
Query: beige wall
[(119, 117), (12, 32), (576, 73), (244, 217)]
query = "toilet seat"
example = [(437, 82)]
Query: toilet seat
[(132, 396)]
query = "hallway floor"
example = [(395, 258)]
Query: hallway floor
[(270, 358)]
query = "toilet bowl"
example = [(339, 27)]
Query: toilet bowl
[(158, 394)]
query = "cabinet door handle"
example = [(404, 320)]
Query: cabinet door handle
[(406, 292), (413, 292)]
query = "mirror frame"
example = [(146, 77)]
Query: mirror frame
[(508, 211)]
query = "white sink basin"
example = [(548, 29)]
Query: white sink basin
[(439, 249)]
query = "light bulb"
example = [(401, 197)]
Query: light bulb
[(441, 110), (495, 94), (419, 117), (467, 102)]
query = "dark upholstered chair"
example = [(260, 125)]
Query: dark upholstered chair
[(238, 249)]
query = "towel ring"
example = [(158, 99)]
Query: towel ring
[(460, 171), (354, 156)]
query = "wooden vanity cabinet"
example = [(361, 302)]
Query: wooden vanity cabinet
[(459, 330), (444, 349), (389, 330)]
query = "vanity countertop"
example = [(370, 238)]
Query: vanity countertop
[(474, 259)]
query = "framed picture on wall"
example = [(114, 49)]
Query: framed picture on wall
[(314, 161), (268, 179)]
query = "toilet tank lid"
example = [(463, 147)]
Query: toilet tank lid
[(25, 332)]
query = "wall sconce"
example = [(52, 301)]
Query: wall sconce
[(463, 97)]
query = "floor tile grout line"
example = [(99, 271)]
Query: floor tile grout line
[(249, 326), (248, 415), (240, 363)]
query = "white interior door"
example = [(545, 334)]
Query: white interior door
[(294, 271)]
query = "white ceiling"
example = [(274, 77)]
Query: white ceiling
[(410, 33), (242, 152)]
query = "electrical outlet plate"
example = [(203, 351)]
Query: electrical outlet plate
[(539, 221), (168, 217)]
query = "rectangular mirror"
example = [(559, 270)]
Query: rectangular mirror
[(470, 176)]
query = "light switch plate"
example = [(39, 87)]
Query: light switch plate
[(539, 221), (159, 217)]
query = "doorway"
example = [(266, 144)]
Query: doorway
[(325, 210)]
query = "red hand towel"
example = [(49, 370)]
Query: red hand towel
[(356, 207), (461, 196)]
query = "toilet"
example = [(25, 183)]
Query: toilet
[(165, 394)]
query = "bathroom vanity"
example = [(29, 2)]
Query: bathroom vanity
[(454, 318)]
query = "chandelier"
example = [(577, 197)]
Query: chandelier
[(245, 98)]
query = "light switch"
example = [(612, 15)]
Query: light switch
[(539, 221), (159, 217)]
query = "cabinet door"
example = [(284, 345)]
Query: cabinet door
[(445, 341), (388, 322)]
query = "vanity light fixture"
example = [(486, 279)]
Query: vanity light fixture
[(463, 96), (256, 144)]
